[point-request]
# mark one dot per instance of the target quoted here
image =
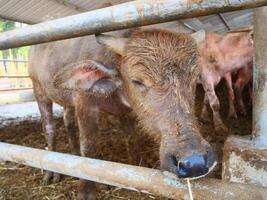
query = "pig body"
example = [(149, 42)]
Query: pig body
[(220, 57), (235, 90)]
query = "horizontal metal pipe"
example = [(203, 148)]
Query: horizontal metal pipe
[(127, 176), (9, 60), (14, 76), (15, 89), (126, 15), (12, 98)]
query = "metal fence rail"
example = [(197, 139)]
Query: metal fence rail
[(8, 76), (16, 89), (132, 14), (14, 76), (127, 176), (126, 15), (11, 60)]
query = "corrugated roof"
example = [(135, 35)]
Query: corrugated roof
[(35, 11), (236, 19)]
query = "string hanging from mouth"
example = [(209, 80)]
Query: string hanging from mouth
[(189, 189)]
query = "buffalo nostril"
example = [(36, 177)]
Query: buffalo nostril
[(174, 160), (182, 169), (192, 166), (183, 165)]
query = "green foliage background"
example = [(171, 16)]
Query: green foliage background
[(16, 53)]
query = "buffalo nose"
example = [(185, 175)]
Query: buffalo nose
[(194, 166)]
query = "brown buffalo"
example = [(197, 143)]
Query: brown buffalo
[(154, 71), (220, 57)]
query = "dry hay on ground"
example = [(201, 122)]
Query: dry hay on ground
[(18, 182)]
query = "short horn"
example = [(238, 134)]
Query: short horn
[(116, 44), (199, 36)]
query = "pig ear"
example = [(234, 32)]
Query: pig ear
[(199, 36), (87, 76), (114, 43)]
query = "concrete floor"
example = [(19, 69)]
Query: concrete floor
[(16, 113)]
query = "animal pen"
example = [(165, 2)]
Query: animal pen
[(243, 158), (15, 83)]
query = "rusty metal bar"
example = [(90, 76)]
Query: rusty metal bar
[(10, 60), (14, 77), (259, 76), (126, 15), (126, 176), (15, 89)]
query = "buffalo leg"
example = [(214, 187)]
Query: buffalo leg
[(46, 109), (215, 106), (69, 122), (204, 112), (87, 122), (231, 96)]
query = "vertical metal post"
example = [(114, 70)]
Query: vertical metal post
[(260, 76), (5, 68)]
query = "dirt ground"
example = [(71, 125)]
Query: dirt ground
[(24, 183)]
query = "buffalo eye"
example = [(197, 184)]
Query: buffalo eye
[(139, 84)]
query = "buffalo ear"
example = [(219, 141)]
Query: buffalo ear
[(199, 36), (116, 44), (87, 76)]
